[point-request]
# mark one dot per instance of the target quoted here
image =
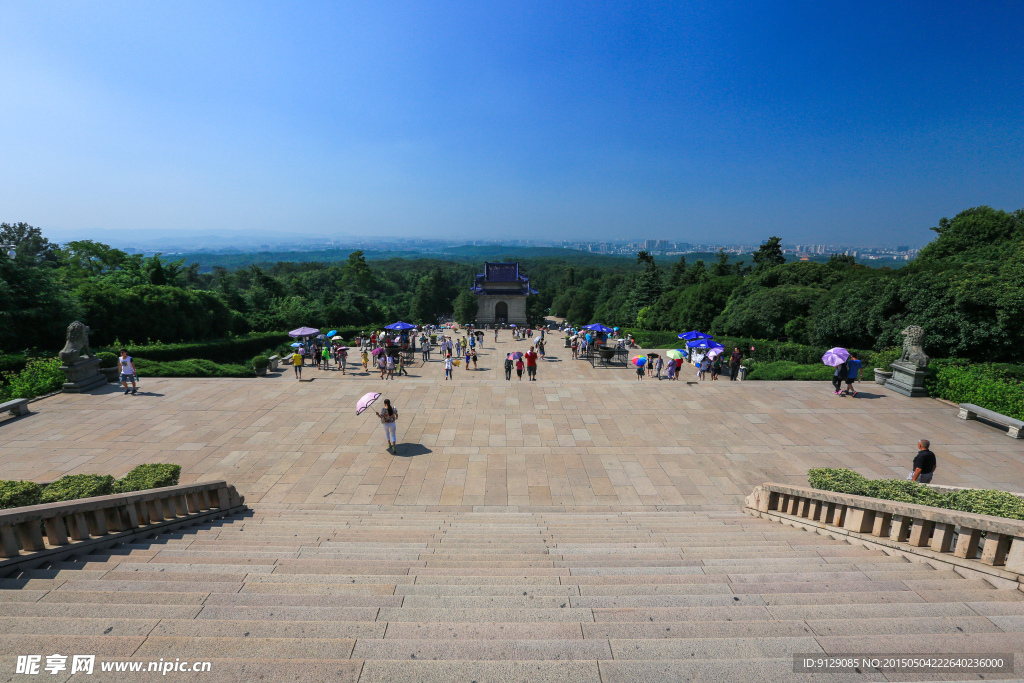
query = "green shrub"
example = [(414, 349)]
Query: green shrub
[(227, 350), (107, 359), (983, 385), (977, 501), (150, 476), (260, 362), (12, 362), (838, 480), (16, 494), (74, 486), (40, 376), (884, 358), (193, 367), (784, 369)]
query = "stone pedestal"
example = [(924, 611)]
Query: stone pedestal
[(83, 375), (908, 380)]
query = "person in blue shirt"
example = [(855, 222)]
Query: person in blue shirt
[(853, 368)]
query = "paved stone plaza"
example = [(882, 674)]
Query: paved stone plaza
[(578, 436)]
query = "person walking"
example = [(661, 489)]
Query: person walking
[(531, 364), (425, 348), (297, 363), (670, 370), (343, 359), (853, 367), (716, 368), (924, 463), (495, 334), (448, 367), (540, 348), (391, 366), (128, 373), (659, 364), (519, 368), (474, 359), (469, 357), (366, 360), (640, 372), (382, 364), (734, 364), (842, 370), (389, 418), (401, 365), (508, 367), (327, 357)]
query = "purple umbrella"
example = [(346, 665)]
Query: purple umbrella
[(365, 401), (515, 355), (304, 332), (835, 357), (377, 351)]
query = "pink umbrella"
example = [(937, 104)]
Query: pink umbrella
[(835, 357), (366, 401), (377, 351)]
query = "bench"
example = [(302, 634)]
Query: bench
[(18, 406), (969, 411)]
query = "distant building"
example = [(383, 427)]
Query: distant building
[(501, 292)]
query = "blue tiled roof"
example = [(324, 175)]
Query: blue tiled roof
[(501, 272)]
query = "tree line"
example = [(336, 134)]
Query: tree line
[(966, 288)]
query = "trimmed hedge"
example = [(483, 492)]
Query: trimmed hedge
[(107, 359), (193, 367), (978, 501), (785, 370), (988, 385), (261, 362), (227, 350), (15, 494), (75, 486), (40, 376), (150, 476)]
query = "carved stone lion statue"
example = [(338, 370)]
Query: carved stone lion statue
[(77, 346), (913, 353)]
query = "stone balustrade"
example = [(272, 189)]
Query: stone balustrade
[(36, 534), (966, 539)]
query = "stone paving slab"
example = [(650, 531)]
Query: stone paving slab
[(579, 436)]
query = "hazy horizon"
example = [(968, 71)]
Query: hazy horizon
[(721, 123)]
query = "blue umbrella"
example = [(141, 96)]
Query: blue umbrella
[(707, 343), (400, 326), (693, 335), (331, 333), (597, 327)]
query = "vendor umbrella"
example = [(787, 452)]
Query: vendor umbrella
[(597, 327), (304, 332), (400, 326), (693, 335), (638, 360), (365, 401), (835, 357), (704, 343)]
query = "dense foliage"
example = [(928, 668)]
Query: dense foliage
[(15, 494), (39, 376), (964, 289), (978, 501)]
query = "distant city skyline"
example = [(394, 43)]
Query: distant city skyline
[(547, 121)]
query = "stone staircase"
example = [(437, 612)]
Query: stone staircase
[(389, 593)]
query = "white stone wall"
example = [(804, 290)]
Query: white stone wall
[(486, 305)]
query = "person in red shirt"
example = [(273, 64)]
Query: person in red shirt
[(531, 365)]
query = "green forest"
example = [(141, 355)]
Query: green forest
[(966, 289)]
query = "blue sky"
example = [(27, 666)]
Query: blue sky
[(851, 123)]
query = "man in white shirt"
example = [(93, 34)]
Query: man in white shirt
[(127, 366)]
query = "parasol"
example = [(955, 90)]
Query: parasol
[(366, 401), (835, 357)]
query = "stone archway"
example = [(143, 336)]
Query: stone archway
[(501, 312)]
